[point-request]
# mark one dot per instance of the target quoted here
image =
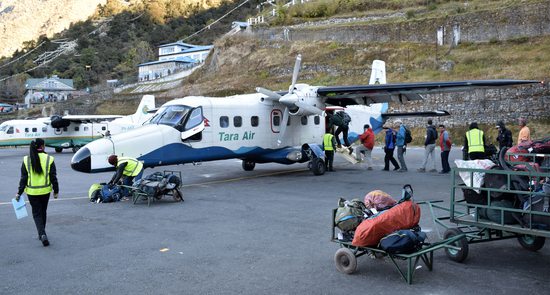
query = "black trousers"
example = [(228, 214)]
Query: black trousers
[(445, 161), (39, 206), (339, 130), (389, 158), (477, 156), (329, 158)]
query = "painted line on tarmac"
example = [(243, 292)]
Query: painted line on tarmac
[(192, 184)]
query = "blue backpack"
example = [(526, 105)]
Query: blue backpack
[(108, 194), (405, 241)]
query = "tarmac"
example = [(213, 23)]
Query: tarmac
[(265, 231)]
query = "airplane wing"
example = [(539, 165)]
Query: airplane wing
[(90, 118), (402, 92)]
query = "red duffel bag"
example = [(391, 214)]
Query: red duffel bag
[(404, 215)]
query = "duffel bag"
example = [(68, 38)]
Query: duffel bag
[(405, 241), (349, 214)]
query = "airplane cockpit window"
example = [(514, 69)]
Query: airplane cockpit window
[(237, 121), (170, 115), (195, 118), (224, 121), (317, 120), (10, 130), (254, 121)]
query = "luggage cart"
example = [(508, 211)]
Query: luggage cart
[(464, 219), (345, 258), (157, 188)]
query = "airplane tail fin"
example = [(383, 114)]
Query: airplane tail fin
[(378, 73), (147, 103)]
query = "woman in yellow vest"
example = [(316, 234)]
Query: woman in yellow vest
[(38, 179), (474, 143)]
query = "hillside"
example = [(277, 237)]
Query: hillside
[(25, 20)]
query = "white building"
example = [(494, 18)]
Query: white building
[(173, 57), (48, 89)]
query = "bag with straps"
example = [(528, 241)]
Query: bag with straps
[(408, 136), (349, 214), (404, 241)]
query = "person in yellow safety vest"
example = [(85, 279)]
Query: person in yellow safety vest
[(329, 145), (474, 143), (126, 168), (38, 179)]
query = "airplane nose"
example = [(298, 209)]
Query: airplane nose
[(82, 160)]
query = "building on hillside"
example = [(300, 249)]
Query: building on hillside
[(173, 58), (237, 27), (42, 90)]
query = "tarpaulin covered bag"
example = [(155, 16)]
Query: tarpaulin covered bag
[(349, 214)]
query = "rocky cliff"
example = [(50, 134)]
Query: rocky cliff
[(25, 20)]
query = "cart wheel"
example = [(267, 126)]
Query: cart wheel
[(453, 254), (531, 243), (178, 196), (345, 260)]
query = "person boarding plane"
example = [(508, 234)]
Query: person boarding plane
[(72, 131), (262, 127)]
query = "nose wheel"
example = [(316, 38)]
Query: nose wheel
[(248, 165)]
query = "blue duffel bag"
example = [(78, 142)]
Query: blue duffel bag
[(404, 241)]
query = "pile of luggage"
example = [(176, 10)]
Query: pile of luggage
[(381, 221)]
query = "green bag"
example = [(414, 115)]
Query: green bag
[(93, 189), (349, 214)]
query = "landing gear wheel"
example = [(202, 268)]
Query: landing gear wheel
[(75, 149), (248, 165), (454, 254), (178, 196), (318, 166), (58, 150), (531, 243), (345, 260)]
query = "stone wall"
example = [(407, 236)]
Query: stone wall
[(479, 26), (486, 106)]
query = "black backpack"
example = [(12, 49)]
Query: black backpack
[(408, 136), (405, 241)]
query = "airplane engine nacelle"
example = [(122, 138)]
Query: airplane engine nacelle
[(58, 122), (307, 105)]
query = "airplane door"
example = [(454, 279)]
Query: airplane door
[(276, 118), (194, 124)]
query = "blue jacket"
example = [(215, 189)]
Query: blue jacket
[(400, 136), (389, 141)]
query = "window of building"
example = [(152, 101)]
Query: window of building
[(237, 121), (317, 120), (224, 121), (34, 129), (303, 119), (254, 121)]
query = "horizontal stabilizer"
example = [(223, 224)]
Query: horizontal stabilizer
[(437, 113)]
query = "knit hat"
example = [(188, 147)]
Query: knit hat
[(113, 159)]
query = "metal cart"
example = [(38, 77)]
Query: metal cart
[(157, 189)]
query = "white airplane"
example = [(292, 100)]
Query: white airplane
[(284, 127), (72, 131)]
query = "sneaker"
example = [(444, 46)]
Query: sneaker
[(44, 240), (433, 170), (350, 150), (421, 170)]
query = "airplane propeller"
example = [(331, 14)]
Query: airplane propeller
[(291, 100)]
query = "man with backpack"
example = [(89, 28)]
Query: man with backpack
[(401, 144), (429, 147), (341, 119)]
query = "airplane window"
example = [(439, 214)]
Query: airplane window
[(276, 120), (254, 121), (224, 121), (65, 129), (172, 115), (34, 129), (27, 130), (10, 130), (316, 120), (44, 129), (303, 119), (76, 128), (195, 118), (237, 121), (85, 128), (3, 128)]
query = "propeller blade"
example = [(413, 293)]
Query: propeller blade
[(309, 108), (270, 94), (295, 73), (282, 131)]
